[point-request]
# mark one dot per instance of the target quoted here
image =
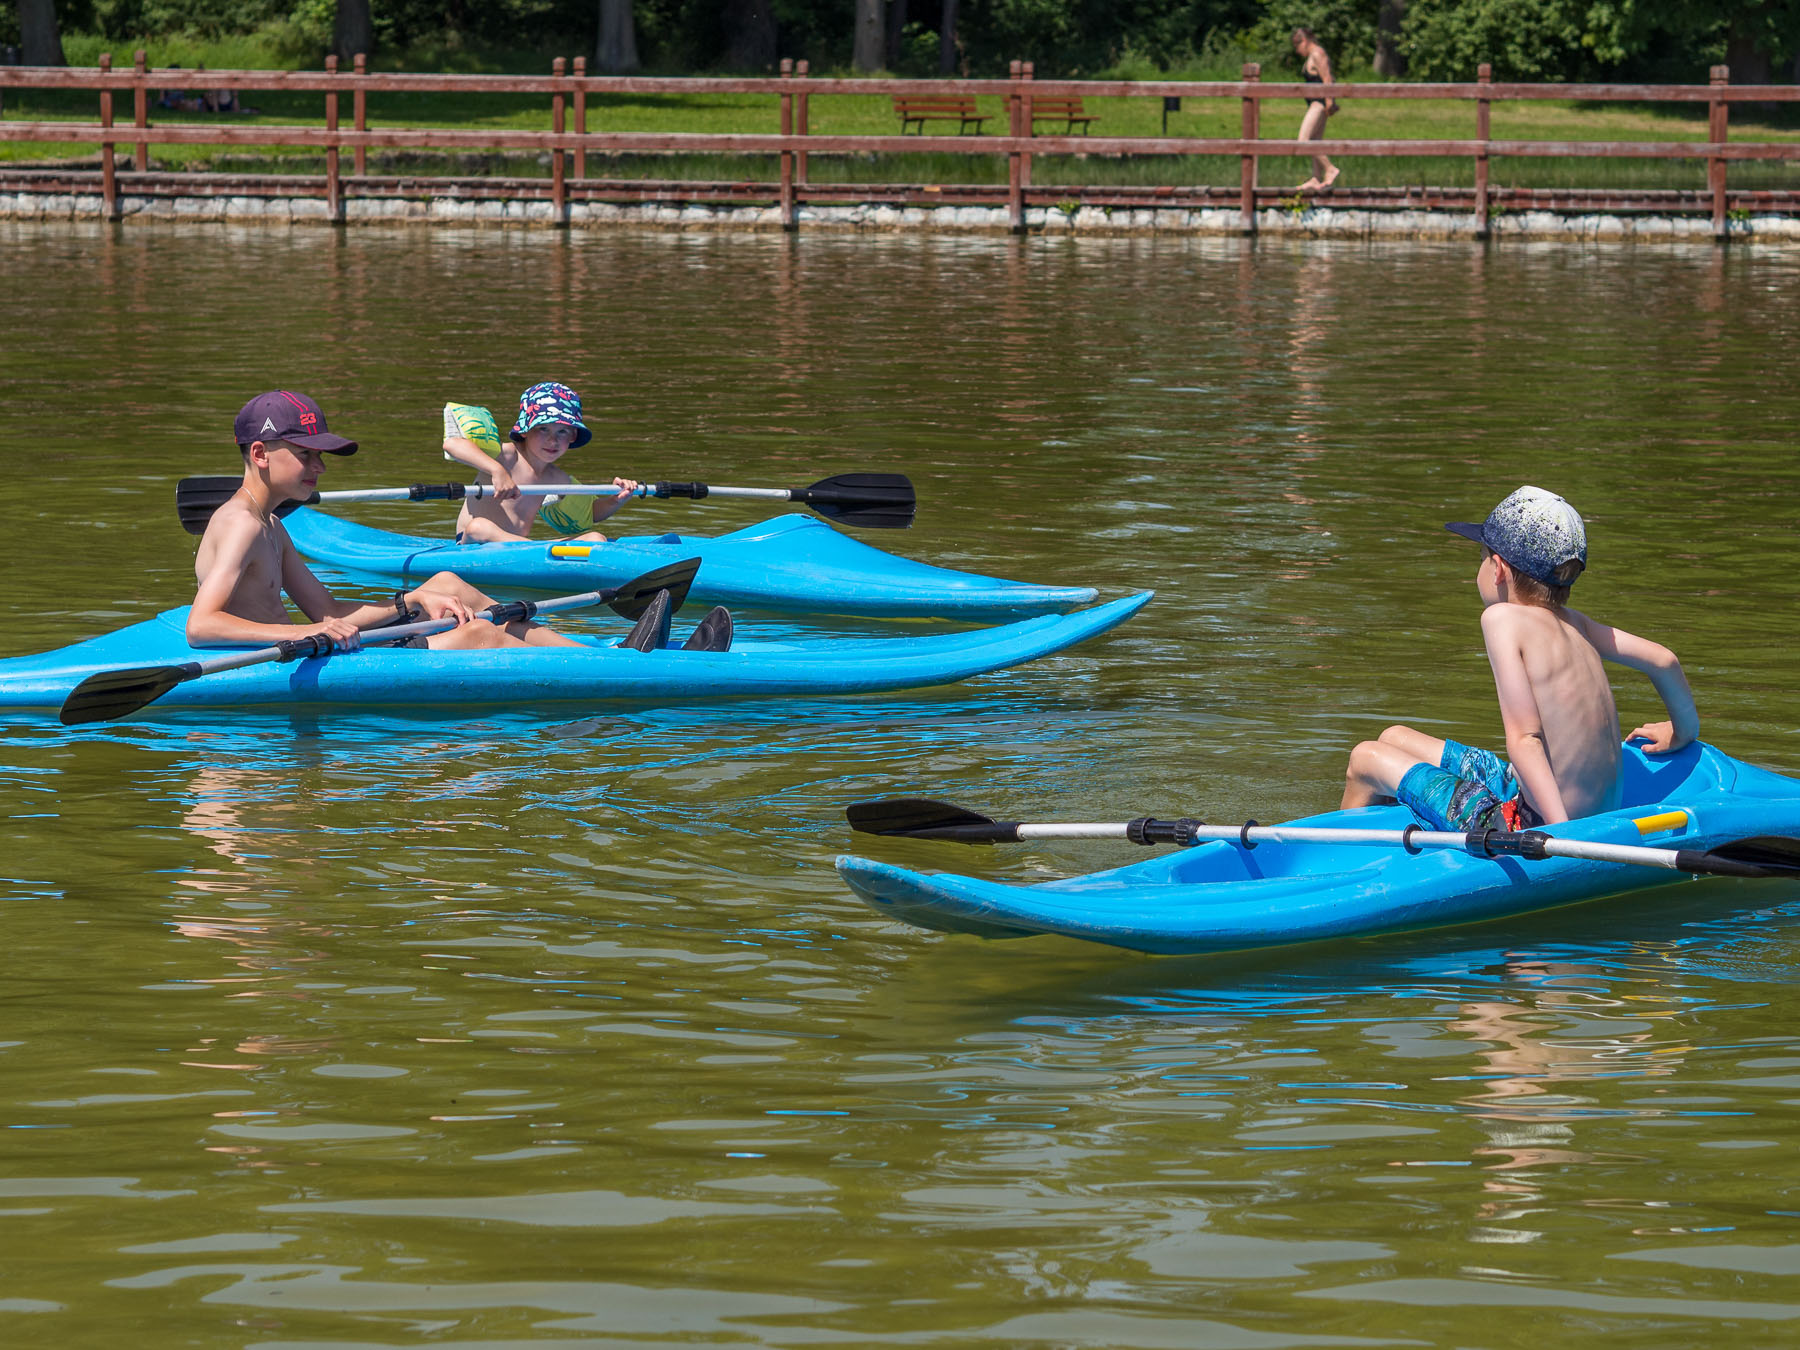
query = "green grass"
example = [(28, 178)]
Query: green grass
[(872, 115)]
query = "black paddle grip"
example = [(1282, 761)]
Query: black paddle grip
[(295, 649), (694, 490), (512, 611), (436, 492), (1146, 831), (1495, 843)]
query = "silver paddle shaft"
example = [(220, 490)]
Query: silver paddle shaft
[(1412, 838), (475, 492), (380, 636)]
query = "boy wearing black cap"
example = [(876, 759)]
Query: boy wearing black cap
[(246, 559), (1562, 727)]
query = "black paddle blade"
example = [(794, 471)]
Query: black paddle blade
[(197, 498), (113, 694), (634, 597), (1769, 855), (921, 818), (867, 501)]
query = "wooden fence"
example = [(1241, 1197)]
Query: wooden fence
[(791, 92)]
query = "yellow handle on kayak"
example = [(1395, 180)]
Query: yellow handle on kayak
[(1668, 820), (570, 550)]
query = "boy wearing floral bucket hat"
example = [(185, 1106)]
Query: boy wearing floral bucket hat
[(1562, 727), (548, 426)]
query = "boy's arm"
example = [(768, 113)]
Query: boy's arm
[(465, 451), (319, 604), (1663, 668), (1520, 715), (605, 506), (471, 437), (211, 624)]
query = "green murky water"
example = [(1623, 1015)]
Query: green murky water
[(492, 1030)]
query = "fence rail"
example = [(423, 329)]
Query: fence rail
[(570, 89)]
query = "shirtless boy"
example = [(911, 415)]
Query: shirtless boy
[(246, 559), (1562, 728), (549, 425)]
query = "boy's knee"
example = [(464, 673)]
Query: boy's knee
[(448, 583), (472, 637), (1395, 734)]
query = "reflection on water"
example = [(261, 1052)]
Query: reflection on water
[(506, 1028)]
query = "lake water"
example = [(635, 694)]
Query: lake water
[(495, 1029)]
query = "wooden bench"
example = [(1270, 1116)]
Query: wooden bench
[(923, 110), (1065, 110)]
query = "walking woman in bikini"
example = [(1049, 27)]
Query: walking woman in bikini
[(1315, 68)]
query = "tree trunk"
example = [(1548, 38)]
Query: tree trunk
[(354, 31), (871, 35), (750, 36), (40, 40), (947, 54), (1390, 62), (615, 52), (896, 32), (1749, 62)]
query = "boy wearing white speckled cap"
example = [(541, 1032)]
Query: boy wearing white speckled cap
[(1562, 727)]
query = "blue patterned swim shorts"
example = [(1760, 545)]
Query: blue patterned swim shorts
[(1468, 789)]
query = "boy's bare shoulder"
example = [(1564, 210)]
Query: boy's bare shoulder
[(1506, 620), (233, 522)]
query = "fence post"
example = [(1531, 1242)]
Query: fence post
[(109, 178), (1717, 129), (559, 192), (581, 115), (801, 68), (1252, 124), (334, 201), (1027, 73), (1484, 74), (790, 219), (140, 110), (359, 103), (1015, 177)]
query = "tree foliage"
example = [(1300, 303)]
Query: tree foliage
[(1590, 39), (1440, 39)]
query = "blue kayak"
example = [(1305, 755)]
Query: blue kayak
[(792, 563), (1222, 897), (377, 677)]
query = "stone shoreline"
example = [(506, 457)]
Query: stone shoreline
[(1313, 222)]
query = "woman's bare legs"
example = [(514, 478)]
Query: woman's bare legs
[(1312, 128)]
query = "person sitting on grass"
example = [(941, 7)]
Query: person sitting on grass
[(548, 426), (1562, 727)]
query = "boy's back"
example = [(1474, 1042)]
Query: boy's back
[(1558, 683), (1562, 727)]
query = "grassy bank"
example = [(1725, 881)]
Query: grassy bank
[(873, 115)]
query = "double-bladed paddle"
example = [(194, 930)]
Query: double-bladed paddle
[(918, 818), (112, 694), (869, 501)]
